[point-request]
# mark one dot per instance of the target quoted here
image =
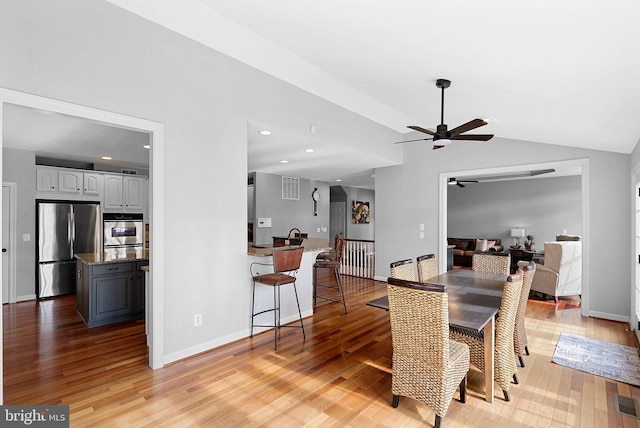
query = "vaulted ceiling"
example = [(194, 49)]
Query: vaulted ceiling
[(546, 71)]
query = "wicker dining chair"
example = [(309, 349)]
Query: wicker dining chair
[(403, 269), (505, 360), (491, 263), (520, 332), (427, 267), (427, 365)]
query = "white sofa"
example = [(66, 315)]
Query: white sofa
[(561, 273)]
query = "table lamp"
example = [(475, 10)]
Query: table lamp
[(517, 233)]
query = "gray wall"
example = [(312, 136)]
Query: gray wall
[(361, 231), (408, 195), (286, 214), (18, 166), (544, 207)]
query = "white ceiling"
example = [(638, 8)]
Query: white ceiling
[(544, 71), (58, 136)]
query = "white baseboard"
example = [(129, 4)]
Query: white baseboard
[(207, 346), (25, 298), (607, 316), (380, 278)]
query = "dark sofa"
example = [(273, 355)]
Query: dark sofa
[(465, 247)]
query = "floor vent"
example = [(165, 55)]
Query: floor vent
[(626, 405)]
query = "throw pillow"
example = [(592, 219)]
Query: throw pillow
[(491, 244), (481, 245)]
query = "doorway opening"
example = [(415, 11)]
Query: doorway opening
[(582, 164), (155, 319)]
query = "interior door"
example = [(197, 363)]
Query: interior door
[(637, 243), (337, 220), (5, 243)]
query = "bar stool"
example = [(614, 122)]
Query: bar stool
[(285, 266), (334, 263)]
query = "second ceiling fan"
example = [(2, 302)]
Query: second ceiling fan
[(441, 137)]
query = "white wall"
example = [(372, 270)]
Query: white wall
[(95, 54), (408, 195), (544, 207)]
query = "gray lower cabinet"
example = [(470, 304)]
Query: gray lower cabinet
[(108, 293)]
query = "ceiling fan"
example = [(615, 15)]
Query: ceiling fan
[(441, 137), (458, 183)]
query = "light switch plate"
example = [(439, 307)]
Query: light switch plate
[(264, 222), (26, 237)]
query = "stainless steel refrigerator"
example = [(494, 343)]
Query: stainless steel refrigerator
[(64, 229)]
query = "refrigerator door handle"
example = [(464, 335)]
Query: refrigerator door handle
[(72, 231)]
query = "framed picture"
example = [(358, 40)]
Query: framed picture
[(360, 212)]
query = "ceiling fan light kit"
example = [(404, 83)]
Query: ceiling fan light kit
[(442, 136)]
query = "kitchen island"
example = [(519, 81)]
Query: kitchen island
[(110, 285)]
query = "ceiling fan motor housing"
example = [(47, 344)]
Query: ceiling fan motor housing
[(443, 83), (441, 132)]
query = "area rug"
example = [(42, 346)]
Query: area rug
[(610, 360)]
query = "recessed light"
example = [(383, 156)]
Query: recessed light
[(107, 157), (284, 161), (338, 179), (147, 146), (265, 132), (309, 150)]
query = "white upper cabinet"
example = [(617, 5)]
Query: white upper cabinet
[(115, 192), (123, 193), (135, 193), (67, 183), (92, 183), (70, 182), (113, 198), (46, 179)]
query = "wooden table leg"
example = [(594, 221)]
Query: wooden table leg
[(489, 356)]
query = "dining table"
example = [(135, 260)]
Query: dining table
[(474, 301)]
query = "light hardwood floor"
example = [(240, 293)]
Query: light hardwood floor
[(339, 376)]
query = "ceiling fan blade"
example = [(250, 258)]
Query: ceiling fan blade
[(411, 141), (421, 129), (468, 181), (436, 147), (472, 124), (473, 137), (460, 184)]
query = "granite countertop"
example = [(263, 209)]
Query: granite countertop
[(119, 255), (309, 244)]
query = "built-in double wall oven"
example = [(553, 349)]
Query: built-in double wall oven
[(123, 230)]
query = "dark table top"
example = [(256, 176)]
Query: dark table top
[(474, 297)]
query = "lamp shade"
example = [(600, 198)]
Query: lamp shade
[(517, 233)]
